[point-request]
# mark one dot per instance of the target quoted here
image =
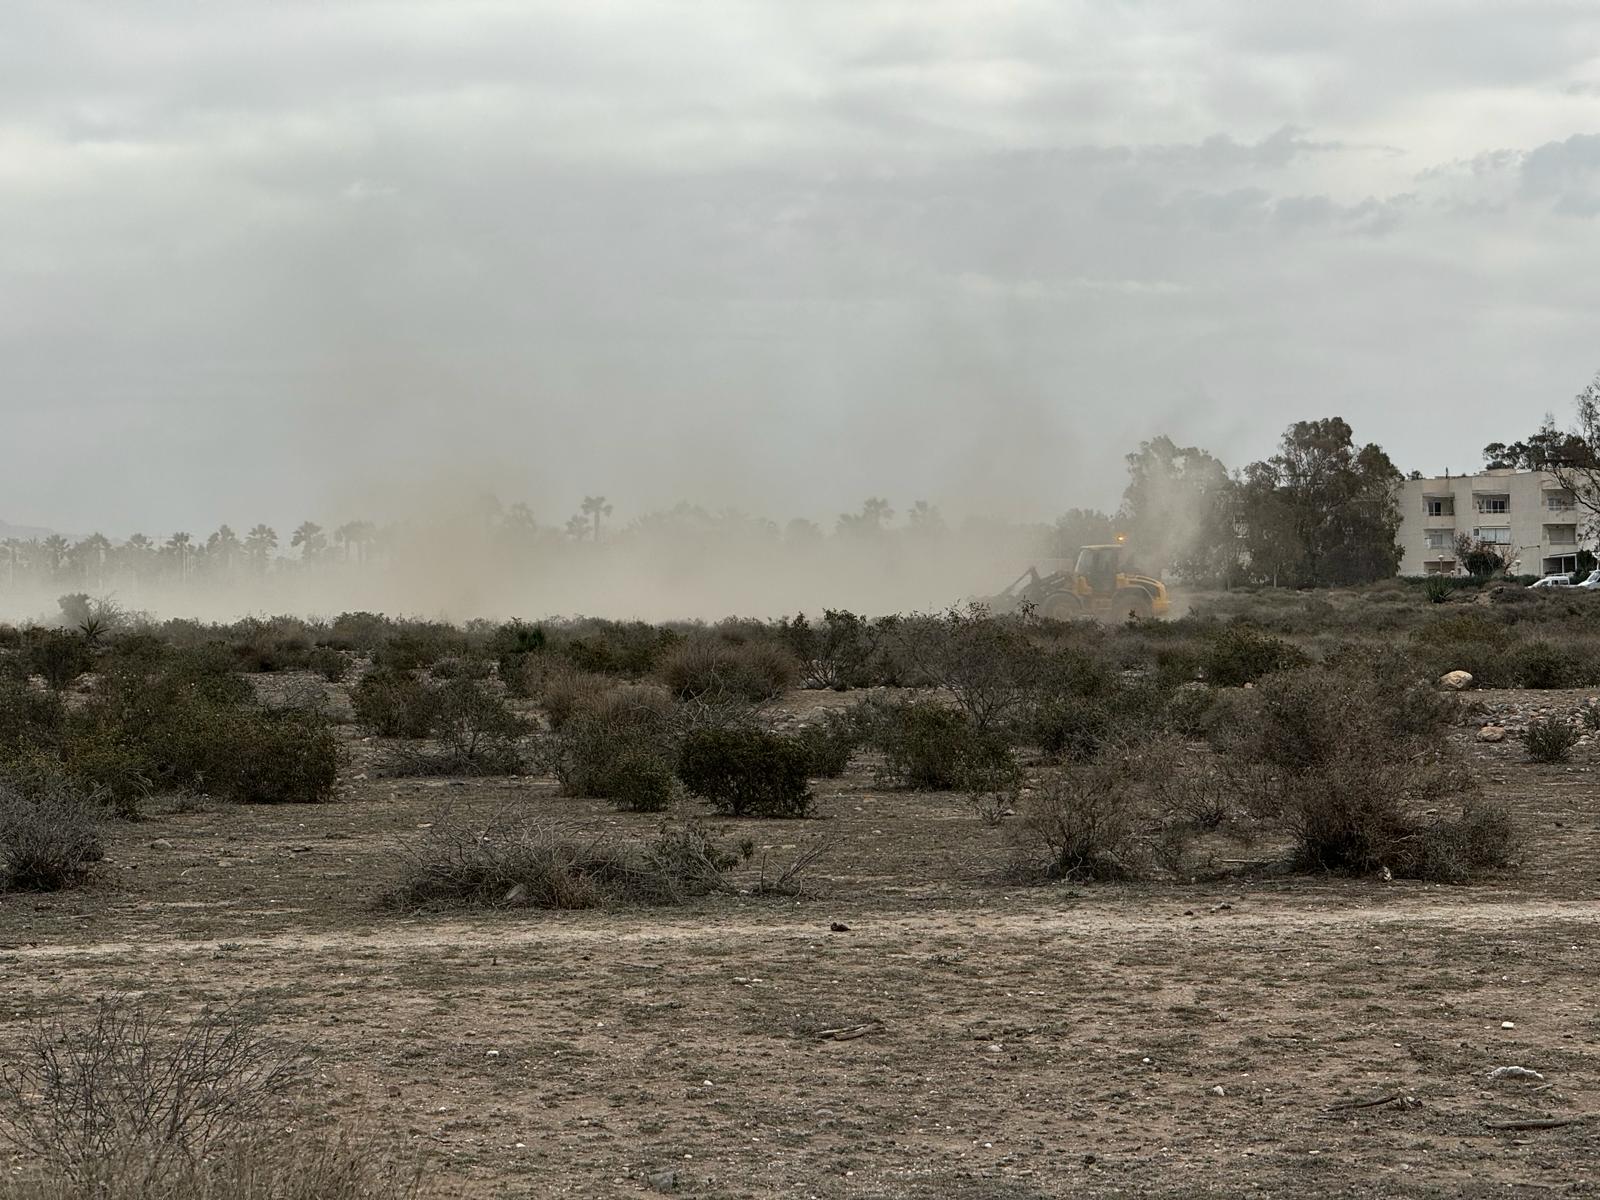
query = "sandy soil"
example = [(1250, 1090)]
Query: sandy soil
[(1142, 1040)]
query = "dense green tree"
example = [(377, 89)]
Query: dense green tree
[(1322, 511)]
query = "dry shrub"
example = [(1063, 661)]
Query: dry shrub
[(130, 1099), (49, 836), (996, 793), (563, 691), (710, 668), (1361, 778), (986, 663), (1087, 820), (515, 861), (1186, 784), (310, 1168)]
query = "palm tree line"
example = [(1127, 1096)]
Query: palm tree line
[(96, 561)]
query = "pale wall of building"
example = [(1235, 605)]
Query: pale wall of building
[(1526, 511)]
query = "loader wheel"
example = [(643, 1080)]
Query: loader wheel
[(1061, 606), (1133, 605)]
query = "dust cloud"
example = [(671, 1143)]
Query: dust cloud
[(682, 564)]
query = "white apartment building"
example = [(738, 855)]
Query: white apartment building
[(1527, 512)]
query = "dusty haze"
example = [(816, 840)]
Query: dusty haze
[(290, 261), (458, 570)]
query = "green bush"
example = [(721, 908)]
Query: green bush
[(629, 649), (112, 772), (333, 665), (279, 644), (1542, 665), (59, 656), (617, 744), (184, 726), (1550, 739), (1239, 655), (415, 647), (28, 717), (841, 651), (476, 732), (746, 772), (362, 632), (830, 742), (637, 779), (928, 746), (277, 758), (394, 703), (512, 646), (49, 837)]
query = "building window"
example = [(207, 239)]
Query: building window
[(1437, 539), (1559, 501), (1563, 564), (1439, 506), (1494, 504), (1495, 535), (1561, 535)]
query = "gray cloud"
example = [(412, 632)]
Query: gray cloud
[(268, 261)]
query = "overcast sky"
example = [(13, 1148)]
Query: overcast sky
[(311, 258)]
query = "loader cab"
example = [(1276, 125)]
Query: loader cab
[(1099, 567)]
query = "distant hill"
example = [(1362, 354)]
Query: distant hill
[(23, 531)]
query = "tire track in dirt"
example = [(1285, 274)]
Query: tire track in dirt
[(1124, 921)]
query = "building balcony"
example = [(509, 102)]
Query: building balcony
[(1447, 521)]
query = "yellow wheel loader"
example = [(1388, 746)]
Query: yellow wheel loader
[(1097, 586)]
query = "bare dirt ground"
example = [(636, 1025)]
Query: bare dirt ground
[(1140, 1040)]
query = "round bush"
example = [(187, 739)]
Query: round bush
[(747, 772)]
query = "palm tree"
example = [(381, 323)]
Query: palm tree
[(55, 550), (224, 546), (136, 554), (259, 544), (12, 549), (181, 547), (595, 507), (94, 550), (357, 536), (311, 540)]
